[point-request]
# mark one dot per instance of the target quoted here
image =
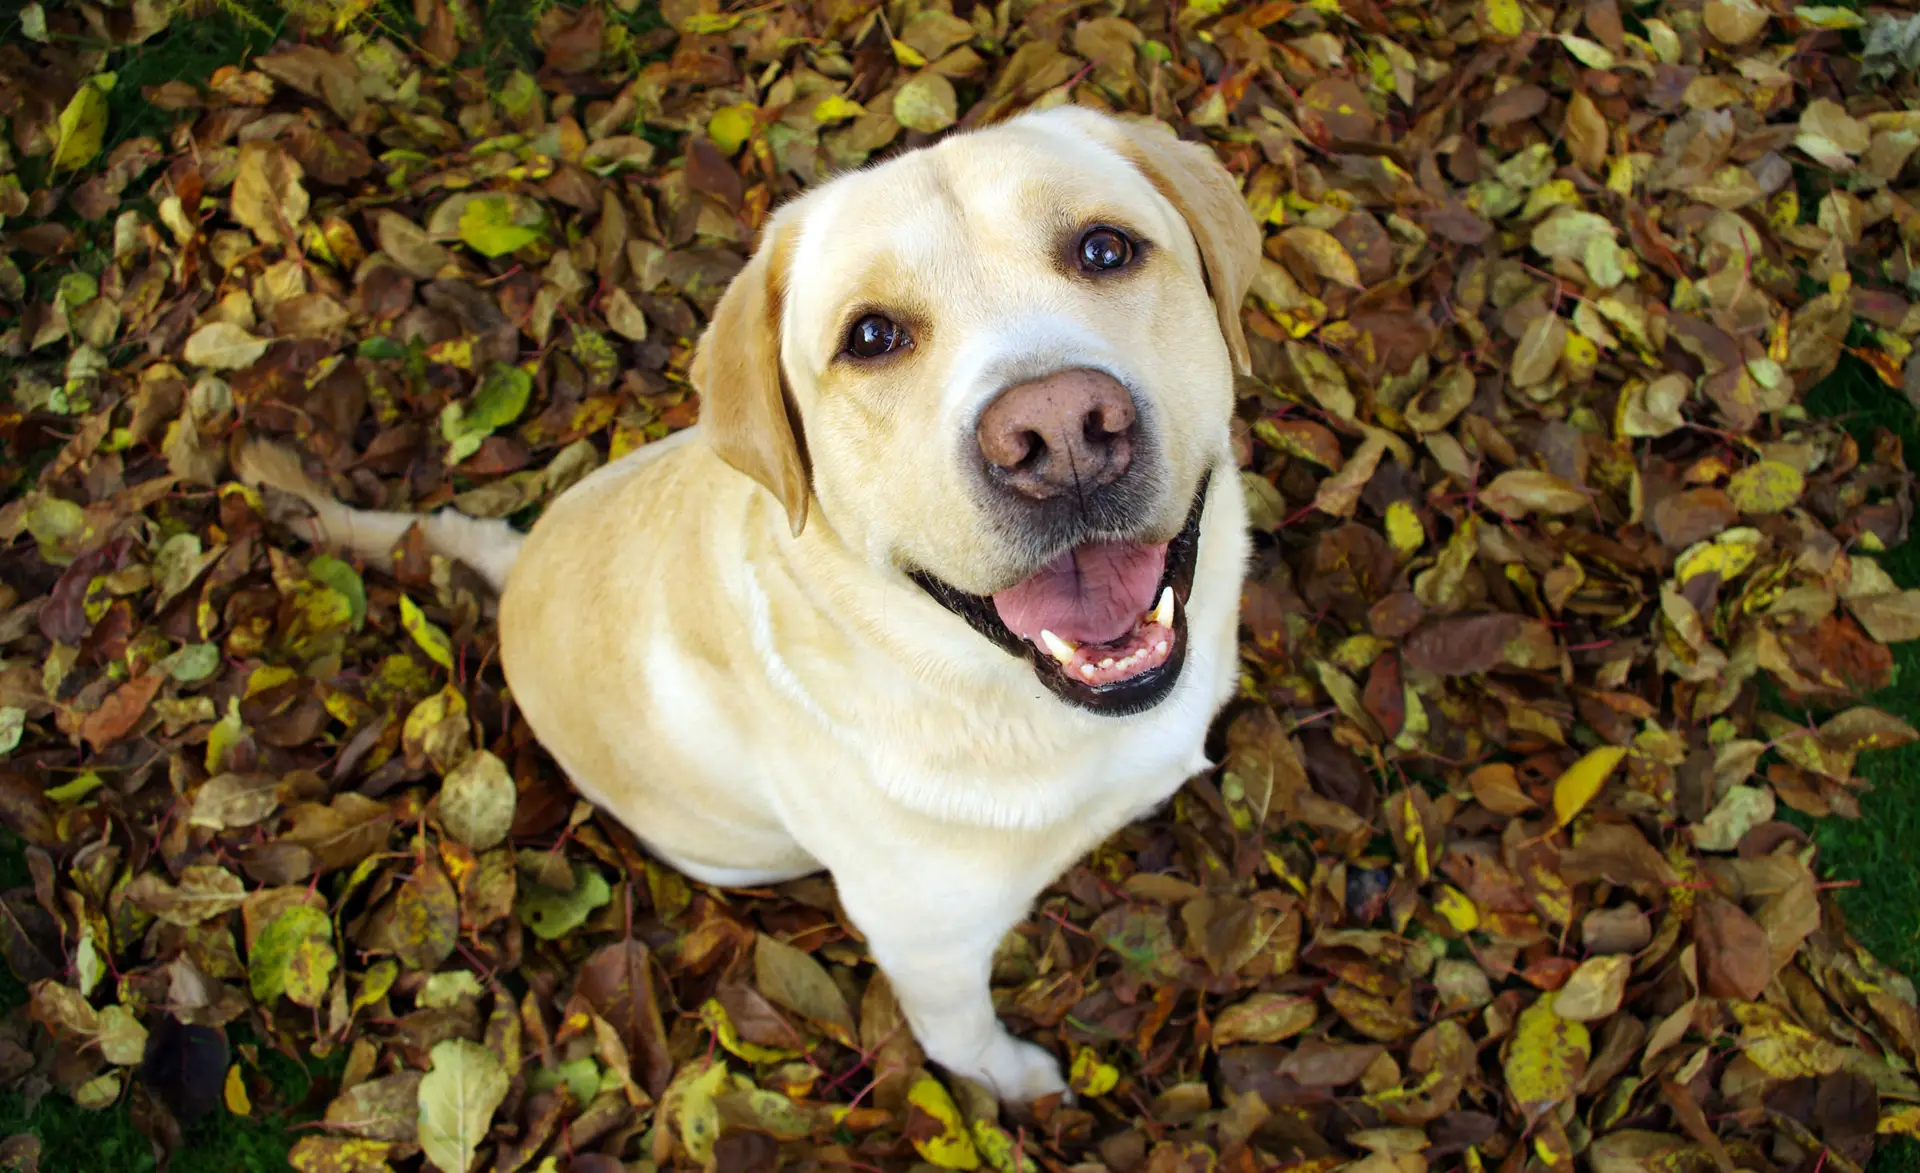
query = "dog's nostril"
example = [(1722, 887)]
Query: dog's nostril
[(1062, 432)]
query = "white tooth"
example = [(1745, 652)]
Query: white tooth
[(1107, 663), (1086, 670), (1163, 613), (1056, 647), (1161, 647)]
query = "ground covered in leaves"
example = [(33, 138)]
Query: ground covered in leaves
[(1561, 635)]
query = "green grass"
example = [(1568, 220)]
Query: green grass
[(1879, 853)]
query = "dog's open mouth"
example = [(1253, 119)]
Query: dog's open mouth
[(1104, 624)]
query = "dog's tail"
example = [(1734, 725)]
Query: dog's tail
[(488, 546)]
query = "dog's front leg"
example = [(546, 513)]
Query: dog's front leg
[(934, 936)]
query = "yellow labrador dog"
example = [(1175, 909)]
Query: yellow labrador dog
[(943, 588)]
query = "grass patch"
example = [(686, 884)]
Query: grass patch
[(1879, 852)]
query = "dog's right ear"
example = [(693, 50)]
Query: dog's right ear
[(744, 409)]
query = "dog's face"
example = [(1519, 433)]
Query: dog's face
[(1004, 368)]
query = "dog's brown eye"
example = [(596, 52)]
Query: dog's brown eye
[(875, 335), (1105, 249)]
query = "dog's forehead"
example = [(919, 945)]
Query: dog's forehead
[(927, 217)]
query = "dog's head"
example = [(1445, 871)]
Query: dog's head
[(1003, 366)]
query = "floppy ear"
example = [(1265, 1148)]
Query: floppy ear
[(744, 409), (1192, 178)]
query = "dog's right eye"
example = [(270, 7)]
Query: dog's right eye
[(875, 335)]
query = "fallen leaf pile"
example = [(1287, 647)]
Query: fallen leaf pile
[(1494, 873)]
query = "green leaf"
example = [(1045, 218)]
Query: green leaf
[(194, 662), (552, 913), (447, 989), (926, 103), (345, 579), (83, 125), (226, 733), (497, 402), (496, 224), (77, 789), (88, 967), (292, 956), (426, 633), (457, 1101), (582, 1077), (13, 722)]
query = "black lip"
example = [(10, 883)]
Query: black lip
[(1122, 697)]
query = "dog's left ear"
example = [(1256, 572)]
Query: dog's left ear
[(744, 408), (1192, 178)]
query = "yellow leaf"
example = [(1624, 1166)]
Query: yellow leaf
[(1324, 253), (714, 1016), (1452, 903), (1729, 554), (236, 1093), (953, 1147), (83, 125), (499, 223), (1583, 780), (1404, 529), (731, 127), (375, 983), (1546, 1059), (1089, 1076), (699, 1115), (1505, 17), (1579, 353), (999, 1149), (834, 108), (1766, 487), (1823, 16), (1903, 1122), (431, 639), (907, 55)]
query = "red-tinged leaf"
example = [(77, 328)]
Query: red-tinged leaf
[(618, 982), (122, 710)]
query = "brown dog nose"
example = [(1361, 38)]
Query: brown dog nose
[(1069, 431)]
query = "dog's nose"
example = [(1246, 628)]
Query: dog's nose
[(1068, 432)]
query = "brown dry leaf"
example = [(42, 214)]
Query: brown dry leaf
[(1521, 491), (268, 196)]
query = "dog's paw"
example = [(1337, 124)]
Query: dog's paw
[(1014, 1071)]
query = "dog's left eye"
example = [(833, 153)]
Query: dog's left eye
[(874, 335), (1104, 249)]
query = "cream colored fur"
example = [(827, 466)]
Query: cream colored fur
[(737, 667)]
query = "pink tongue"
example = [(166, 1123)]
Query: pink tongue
[(1092, 594)]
